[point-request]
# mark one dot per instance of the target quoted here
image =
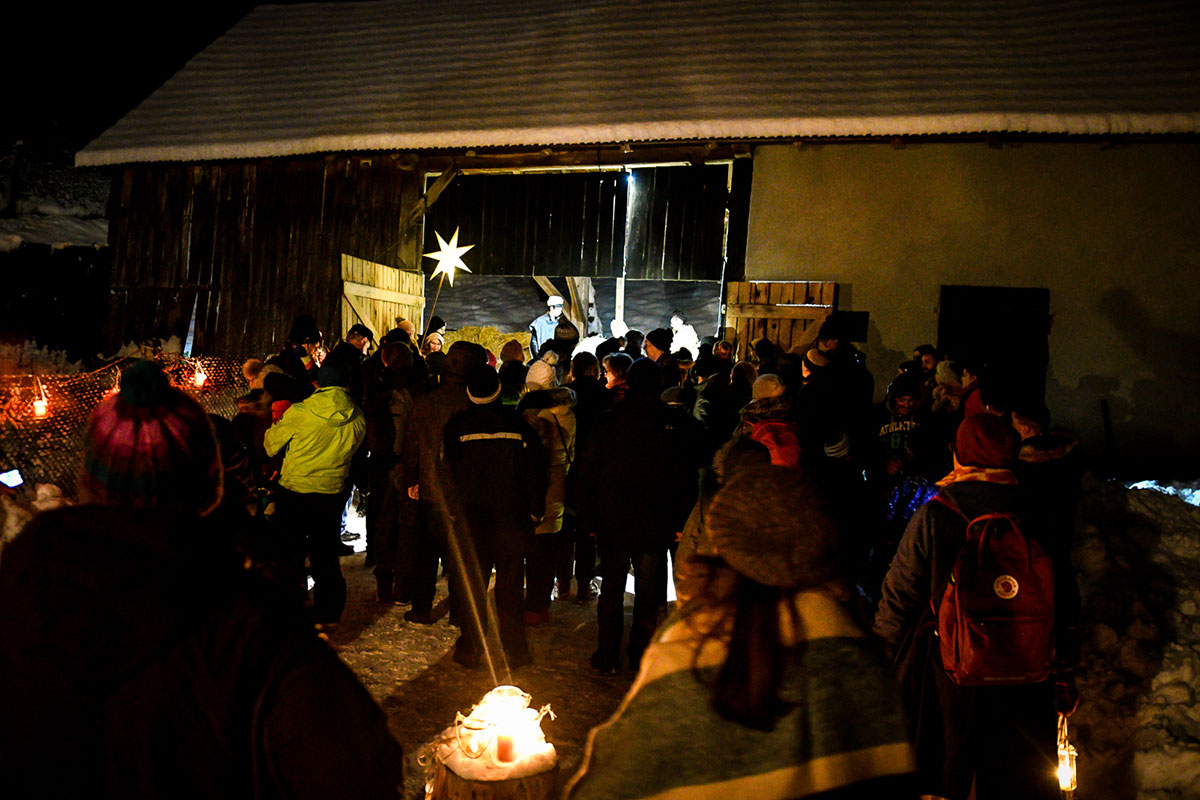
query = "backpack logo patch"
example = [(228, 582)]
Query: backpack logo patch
[(1006, 587)]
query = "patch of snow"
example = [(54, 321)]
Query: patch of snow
[(1138, 559), (1187, 492), (52, 230)]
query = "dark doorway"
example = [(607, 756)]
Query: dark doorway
[(1005, 331)]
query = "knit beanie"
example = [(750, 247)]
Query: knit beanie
[(513, 350), (836, 445), (815, 360), (483, 385), (541, 374), (985, 440), (644, 378), (304, 330), (151, 446), (660, 338), (770, 524), (767, 386)]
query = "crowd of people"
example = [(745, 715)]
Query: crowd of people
[(168, 623)]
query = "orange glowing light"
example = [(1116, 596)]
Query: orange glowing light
[(199, 379), (40, 407)]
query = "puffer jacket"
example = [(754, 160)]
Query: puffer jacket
[(549, 412), (321, 434)]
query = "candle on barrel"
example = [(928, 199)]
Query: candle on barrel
[(496, 752)]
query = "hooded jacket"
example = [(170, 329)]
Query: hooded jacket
[(321, 434)]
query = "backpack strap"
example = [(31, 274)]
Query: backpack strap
[(936, 598), (945, 501)]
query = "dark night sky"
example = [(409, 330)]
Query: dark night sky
[(76, 70)]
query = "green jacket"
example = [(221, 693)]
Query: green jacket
[(321, 434)]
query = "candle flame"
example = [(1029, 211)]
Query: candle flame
[(40, 407)]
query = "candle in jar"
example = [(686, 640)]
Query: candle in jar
[(504, 747)]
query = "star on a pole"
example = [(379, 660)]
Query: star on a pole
[(449, 258)]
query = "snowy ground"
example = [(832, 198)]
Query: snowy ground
[(408, 669), (1138, 726), (1138, 557)]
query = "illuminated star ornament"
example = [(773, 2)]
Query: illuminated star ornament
[(449, 258)]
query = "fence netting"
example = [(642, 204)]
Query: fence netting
[(43, 418)]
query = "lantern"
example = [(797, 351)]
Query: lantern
[(199, 378), (496, 751), (1067, 781), (41, 406)]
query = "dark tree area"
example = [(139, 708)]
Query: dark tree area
[(52, 296)]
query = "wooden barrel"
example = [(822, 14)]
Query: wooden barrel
[(449, 786)]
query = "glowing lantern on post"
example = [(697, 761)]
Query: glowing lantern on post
[(497, 751), (1067, 781)]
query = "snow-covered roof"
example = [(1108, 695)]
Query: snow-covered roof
[(403, 74)]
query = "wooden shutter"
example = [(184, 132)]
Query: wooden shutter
[(786, 312)]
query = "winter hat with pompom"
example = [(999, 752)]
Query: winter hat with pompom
[(151, 446)]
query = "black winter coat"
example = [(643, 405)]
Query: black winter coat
[(638, 476), (498, 471)]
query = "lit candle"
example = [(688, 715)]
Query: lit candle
[(504, 747), (1067, 781), (199, 378), (40, 407)]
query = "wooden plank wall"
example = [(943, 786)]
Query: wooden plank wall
[(783, 311), (249, 245), (677, 222), (536, 224), (380, 310)]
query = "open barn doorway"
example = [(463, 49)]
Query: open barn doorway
[(631, 244)]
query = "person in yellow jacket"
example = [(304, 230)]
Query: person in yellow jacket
[(320, 435)]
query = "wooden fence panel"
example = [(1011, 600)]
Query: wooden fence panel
[(377, 295), (783, 311)]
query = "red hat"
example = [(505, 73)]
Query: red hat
[(985, 440), (151, 445)]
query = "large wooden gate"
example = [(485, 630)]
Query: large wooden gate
[(786, 312), (378, 295)]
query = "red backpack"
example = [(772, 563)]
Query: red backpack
[(996, 617)]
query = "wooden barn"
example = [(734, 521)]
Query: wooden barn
[(1009, 176)]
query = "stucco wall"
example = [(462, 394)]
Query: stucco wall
[(1113, 233)]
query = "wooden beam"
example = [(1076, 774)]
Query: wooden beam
[(353, 289), (428, 199), (756, 311), (359, 311)]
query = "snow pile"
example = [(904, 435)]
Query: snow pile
[(1138, 558), (27, 358), (1187, 492)]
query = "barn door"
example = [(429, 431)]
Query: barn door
[(378, 296), (786, 312)]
